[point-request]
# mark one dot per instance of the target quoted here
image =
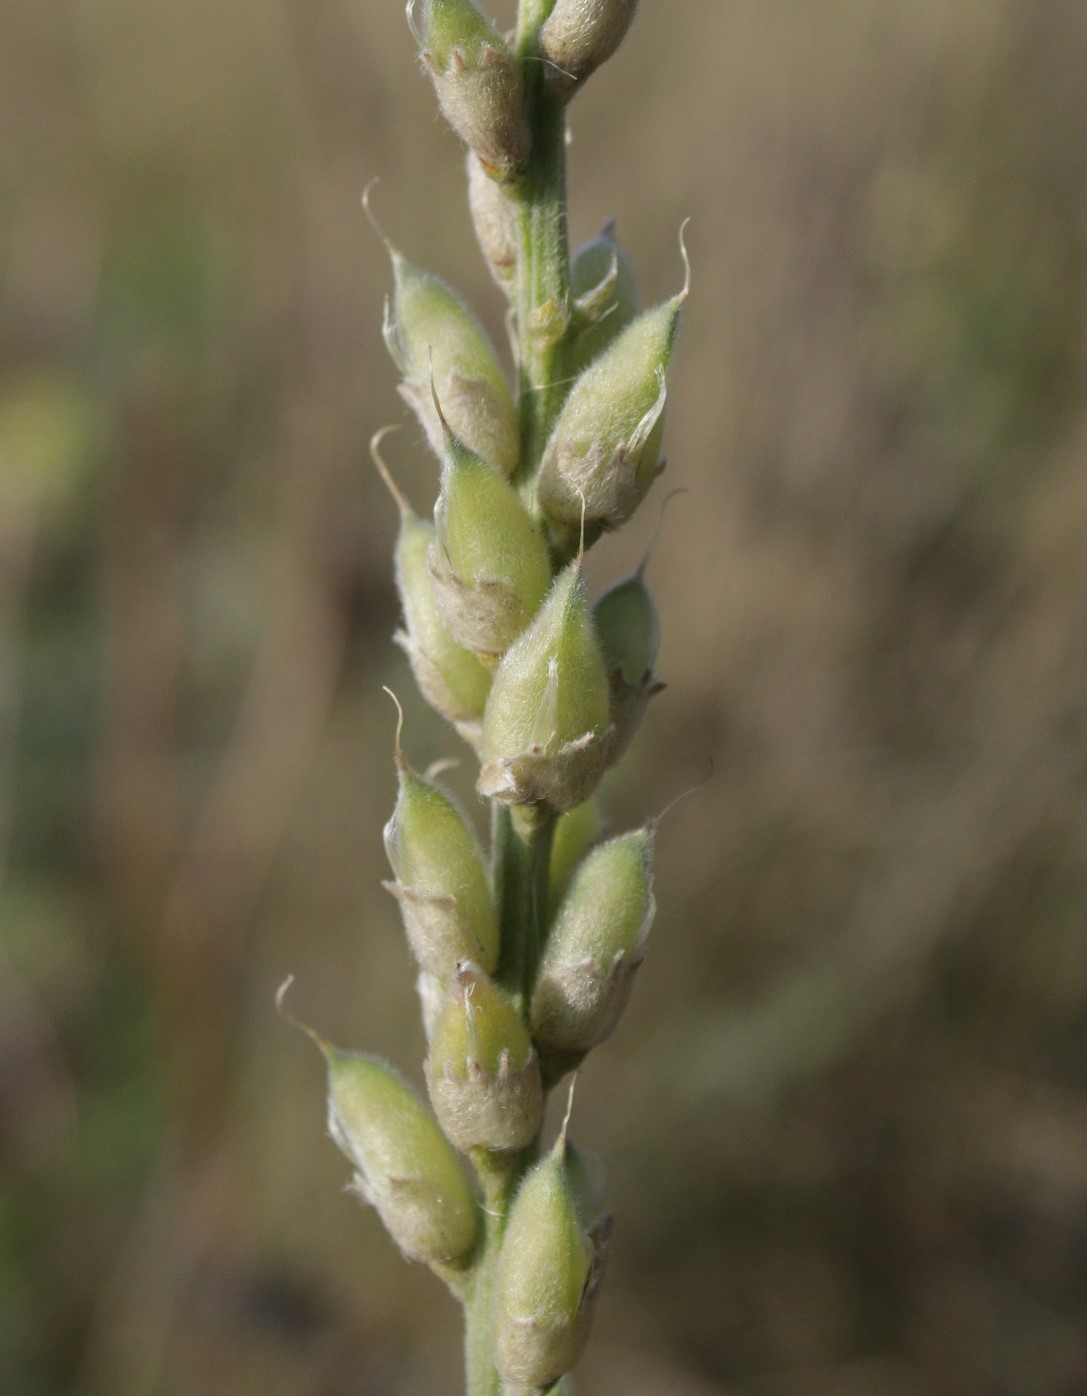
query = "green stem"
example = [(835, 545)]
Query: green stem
[(521, 873), (481, 1376), (543, 284), (522, 862), (522, 869)]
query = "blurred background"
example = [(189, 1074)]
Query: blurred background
[(845, 1118)]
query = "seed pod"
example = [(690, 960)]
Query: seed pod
[(594, 947), (549, 1271), (406, 1167), (604, 451), (494, 218), (489, 564), (602, 280), (575, 833), (580, 35), (441, 882), (588, 1181), (451, 678), (482, 1071), (443, 352), (546, 730), (431, 991), (626, 622), (478, 83)]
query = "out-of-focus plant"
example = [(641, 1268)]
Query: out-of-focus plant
[(526, 956)]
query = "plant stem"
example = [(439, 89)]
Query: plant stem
[(522, 861), (481, 1377), (543, 290), (521, 887), (521, 872)]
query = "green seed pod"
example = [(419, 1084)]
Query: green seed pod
[(489, 564), (580, 35), (594, 947), (548, 1274), (452, 679), (478, 83), (406, 1167), (585, 1171), (629, 630), (546, 730), (626, 622), (575, 833), (443, 352), (604, 451), (602, 280), (482, 1071), (441, 881), (494, 218), (431, 991)]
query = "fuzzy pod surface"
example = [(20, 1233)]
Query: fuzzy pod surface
[(482, 1071), (546, 727), (441, 880), (406, 1167)]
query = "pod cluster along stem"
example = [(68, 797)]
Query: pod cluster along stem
[(526, 952)]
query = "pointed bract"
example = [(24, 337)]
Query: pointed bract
[(626, 621), (494, 217), (442, 350), (490, 565), (546, 728), (579, 35), (548, 1273), (604, 451), (441, 882), (406, 1167), (594, 947), (482, 1072), (603, 283), (452, 679), (478, 84)]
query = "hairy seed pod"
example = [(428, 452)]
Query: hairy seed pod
[(626, 622), (494, 217), (580, 35), (606, 295), (588, 1183), (452, 679), (549, 1271), (482, 1072), (478, 84), (441, 882), (629, 629), (594, 947), (489, 563), (575, 833), (406, 1167), (604, 451), (546, 729), (431, 992), (444, 353)]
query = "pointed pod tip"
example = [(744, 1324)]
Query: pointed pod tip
[(321, 1043), (653, 824), (682, 295), (398, 755), (409, 13), (639, 571), (559, 1150), (371, 216), (399, 498)]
